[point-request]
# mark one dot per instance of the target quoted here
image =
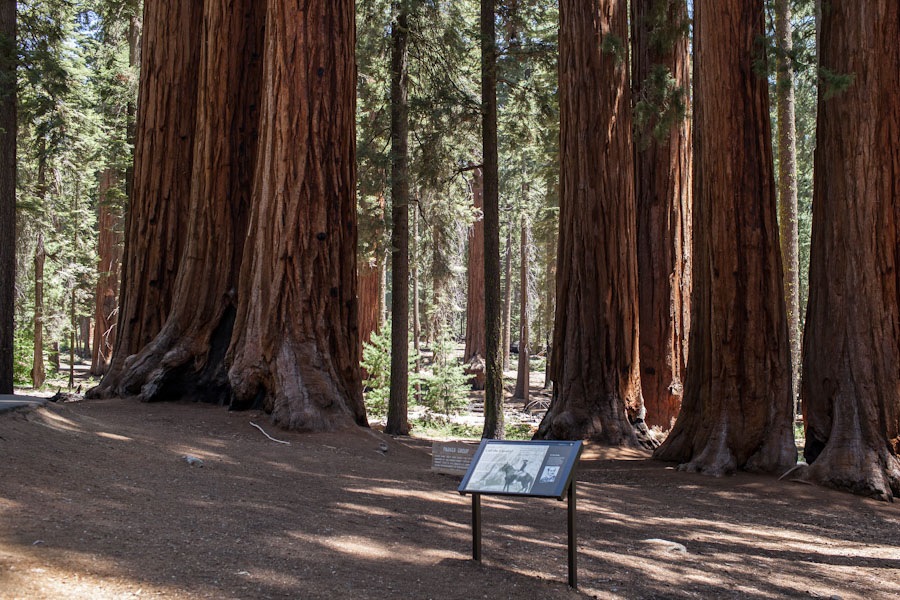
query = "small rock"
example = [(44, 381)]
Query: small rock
[(193, 461)]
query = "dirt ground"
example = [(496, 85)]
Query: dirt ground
[(97, 501)]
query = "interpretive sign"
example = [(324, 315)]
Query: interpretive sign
[(452, 458), (540, 469), (533, 469)]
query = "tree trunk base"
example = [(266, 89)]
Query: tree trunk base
[(476, 369)]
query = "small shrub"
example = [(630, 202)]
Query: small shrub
[(377, 363), (447, 388)]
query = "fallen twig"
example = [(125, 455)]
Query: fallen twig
[(269, 436)]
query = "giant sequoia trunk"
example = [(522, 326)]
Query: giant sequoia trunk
[(186, 358), (474, 352), (397, 417), (109, 250), (295, 347), (737, 410), (851, 347), (7, 190), (595, 341), (663, 191), (158, 215), (369, 300)]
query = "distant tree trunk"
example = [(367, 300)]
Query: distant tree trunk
[(493, 385), (186, 358), (38, 373), (851, 347), (158, 215), (84, 337), (737, 408), (787, 181), (8, 53), (295, 348), (369, 300), (474, 353), (595, 364), (663, 191), (507, 301), (109, 250), (53, 356), (397, 417), (417, 327), (523, 376)]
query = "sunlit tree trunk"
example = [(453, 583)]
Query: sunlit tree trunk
[(595, 365), (663, 190), (737, 408), (7, 190), (295, 348), (474, 352), (158, 214), (397, 417), (851, 346), (109, 250), (787, 179), (38, 373)]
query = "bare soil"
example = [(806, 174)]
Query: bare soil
[(97, 501)]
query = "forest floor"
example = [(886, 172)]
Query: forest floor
[(97, 501)]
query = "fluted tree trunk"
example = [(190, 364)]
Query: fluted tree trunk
[(186, 358), (398, 403), (7, 190), (595, 365), (295, 348), (369, 300), (737, 407), (851, 346), (663, 191), (158, 213)]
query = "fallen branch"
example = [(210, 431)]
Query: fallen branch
[(269, 436)]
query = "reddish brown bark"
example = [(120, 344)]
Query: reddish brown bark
[(110, 247), (186, 358), (475, 278), (663, 191), (38, 372), (295, 347), (158, 214), (369, 300), (851, 346), (737, 408), (595, 364), (523, 371)]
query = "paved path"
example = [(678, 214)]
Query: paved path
[(11, 402)]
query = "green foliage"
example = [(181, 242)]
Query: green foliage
[(446, 389), (663, 103), (615, 46), (22, 357), (377, 364)]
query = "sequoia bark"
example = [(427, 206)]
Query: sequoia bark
[(737, 409)]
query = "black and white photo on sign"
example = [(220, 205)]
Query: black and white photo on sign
[(511, 468), (549, 474)]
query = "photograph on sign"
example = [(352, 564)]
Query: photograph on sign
[(511, 468)]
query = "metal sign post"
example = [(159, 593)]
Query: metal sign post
[(531, 469)]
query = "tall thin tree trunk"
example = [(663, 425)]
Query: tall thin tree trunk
[(38, 373), (474, 351), (663, 190), (417, 327), (851, 346), (737, 408), (595, 365), (109, 250), (295, 348), (507, 301), (159, 210), (787, 181), (397, 417), (523, 375), (493, 384), (8, 53)]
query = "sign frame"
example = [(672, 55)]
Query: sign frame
[(553, 477)]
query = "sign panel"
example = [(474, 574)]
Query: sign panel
[(534, 468), (452, 458)]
